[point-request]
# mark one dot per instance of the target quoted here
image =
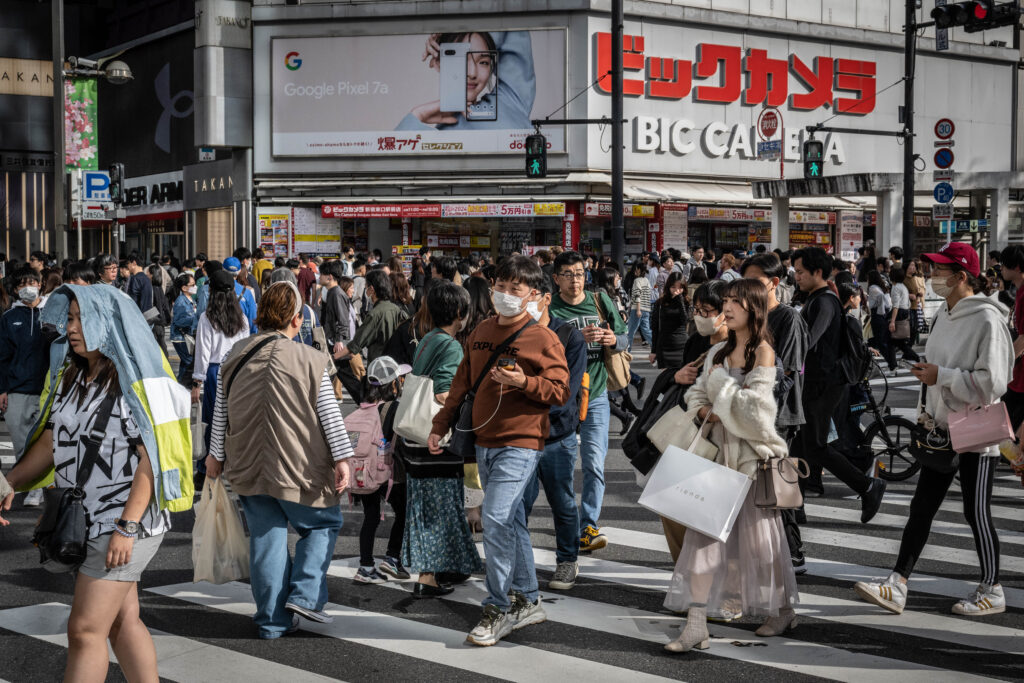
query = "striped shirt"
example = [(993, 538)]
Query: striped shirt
[(327, 411), (640, 295)]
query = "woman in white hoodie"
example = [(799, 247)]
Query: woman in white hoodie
[(752, 570), (970, 358)]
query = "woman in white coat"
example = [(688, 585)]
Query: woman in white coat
[(752, 570)]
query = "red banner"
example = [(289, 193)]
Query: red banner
[(380, 210), (571, 225)]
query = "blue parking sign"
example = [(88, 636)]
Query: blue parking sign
[(943, 193)]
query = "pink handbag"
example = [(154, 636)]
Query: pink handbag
[(975, 428)]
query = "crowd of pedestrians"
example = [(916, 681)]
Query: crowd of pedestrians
[(513, 366)]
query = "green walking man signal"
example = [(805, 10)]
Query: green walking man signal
[(536, 156), (814, 162)]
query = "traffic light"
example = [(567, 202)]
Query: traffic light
[(814, 159), (117, 184), (536, 156), (978, 15)]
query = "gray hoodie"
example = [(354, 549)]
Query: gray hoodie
[(972, 346)]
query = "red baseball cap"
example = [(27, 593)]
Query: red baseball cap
[(959, 254)]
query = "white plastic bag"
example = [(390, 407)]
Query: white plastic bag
[(198, 428), (220, 549)]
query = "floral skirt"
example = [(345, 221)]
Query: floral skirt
[(752, 571), (437, 536)]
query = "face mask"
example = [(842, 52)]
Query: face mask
[(535, 313), (508, 305), (705, 326), (941, 287), (28, 294), (191, 290)]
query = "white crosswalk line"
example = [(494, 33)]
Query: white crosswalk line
[(178, 659), (960, 632), (903, 500), (416, 639), (784, 653), (891, 546), (838, 514), (924, 583)]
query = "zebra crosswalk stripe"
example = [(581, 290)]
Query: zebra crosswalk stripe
[(903, 500), (178, 659), (416, 639)]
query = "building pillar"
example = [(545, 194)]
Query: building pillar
[(780, 223), (889, 229), (999, 212)]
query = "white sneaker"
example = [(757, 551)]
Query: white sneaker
[(493, 626), (982, 602), (890, 594), (525, 613), (33, 499)]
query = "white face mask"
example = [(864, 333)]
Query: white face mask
[(28, 294), (941, 287), (705, 326), (191, 290), (508, 305), (535, 313)]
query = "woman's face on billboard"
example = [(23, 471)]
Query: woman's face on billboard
[(479, 67)]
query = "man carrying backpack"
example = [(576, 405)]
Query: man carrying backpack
[(555, 469), (823, 380)]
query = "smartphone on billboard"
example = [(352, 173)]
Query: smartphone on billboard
[(453, 76), (483, 64)]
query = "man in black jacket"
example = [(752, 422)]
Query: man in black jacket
[(823, 385), (339, 325)]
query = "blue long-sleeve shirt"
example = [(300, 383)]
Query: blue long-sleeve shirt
[(515, 91), (565, 418)]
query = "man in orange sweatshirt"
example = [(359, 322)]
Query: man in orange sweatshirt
[(510, 420)]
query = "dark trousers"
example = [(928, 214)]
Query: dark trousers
[(353, 387), (789, 523), (1014, 401), (881, 340), (371, 520), (976, 475), (811, 444)]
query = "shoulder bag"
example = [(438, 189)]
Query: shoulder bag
[(777, 486), (62, 532), (414, 418), (463, 439), (976, 428), (615, 362), (930, 444)]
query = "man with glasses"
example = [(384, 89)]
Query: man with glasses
[(106, 269), (602, 328)]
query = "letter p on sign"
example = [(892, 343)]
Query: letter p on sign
[(96, 186)]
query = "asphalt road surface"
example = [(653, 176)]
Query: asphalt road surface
[(610, 627)]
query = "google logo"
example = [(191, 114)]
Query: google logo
[(292, 61)]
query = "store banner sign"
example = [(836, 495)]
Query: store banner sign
[(380, 96), (693, 95), (380, 210), (712, 213), (26, 77), (159, 193), (80, 130), (274, 225), (208, 185), (503, 210), (851, 234), (604, 209)]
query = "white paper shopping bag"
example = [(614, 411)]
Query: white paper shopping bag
[(695, 492)]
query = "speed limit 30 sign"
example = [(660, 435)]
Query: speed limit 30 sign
[(944, 129)]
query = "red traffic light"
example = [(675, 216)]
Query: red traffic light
[(982, 9)]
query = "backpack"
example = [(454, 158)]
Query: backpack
[(854, 356), (371, 465), (583, 396)]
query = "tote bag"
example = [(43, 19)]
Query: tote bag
[(220, 549), (976, 428), (414, 418), (696, 492)]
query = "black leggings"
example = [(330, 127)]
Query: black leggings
[(371, 519), (976, 475)]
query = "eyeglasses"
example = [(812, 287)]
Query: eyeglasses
[(573, 274), (706, 312)]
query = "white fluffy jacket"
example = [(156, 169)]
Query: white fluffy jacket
[(747, 412)]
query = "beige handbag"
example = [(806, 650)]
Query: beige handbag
[(677, 428), (615, 362), (777, 486)]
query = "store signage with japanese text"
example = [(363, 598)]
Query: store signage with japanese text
[(604, 209), (712, 213), (851, 234), (380, 210), (527, 210)]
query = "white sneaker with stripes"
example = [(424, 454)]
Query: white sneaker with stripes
[(984, 601), (890, 594)]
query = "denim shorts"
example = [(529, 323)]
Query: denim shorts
[(95, 564)]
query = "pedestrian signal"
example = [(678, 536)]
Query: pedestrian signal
[(814, 159), (536, 156)]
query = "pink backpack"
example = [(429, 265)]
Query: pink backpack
[(371, 466)]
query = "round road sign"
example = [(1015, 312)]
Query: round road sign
[(944, 129), (943, 158), (943, 193), (768, 123)]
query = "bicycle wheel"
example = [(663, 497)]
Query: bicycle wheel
[(878, 382), (893, 453)]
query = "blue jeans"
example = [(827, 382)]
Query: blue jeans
[(555, 471), (505, 473), (593, 450), (641, 321), (276, 577), (185, 361)]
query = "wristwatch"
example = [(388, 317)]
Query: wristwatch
[(196, 384), (130, 528)]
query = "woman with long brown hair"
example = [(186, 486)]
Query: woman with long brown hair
[(669, 319), (402, 293), (750, 572)]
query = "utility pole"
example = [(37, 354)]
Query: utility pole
[(910, 32), (618, 222), (60, 210)]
